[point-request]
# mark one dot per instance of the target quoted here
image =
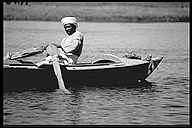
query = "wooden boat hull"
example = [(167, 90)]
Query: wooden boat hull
[(31, 76)]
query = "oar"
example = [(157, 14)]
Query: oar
[(53, 52)]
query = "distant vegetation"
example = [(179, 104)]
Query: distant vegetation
[(99, 11)]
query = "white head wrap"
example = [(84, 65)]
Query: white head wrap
[(71, 20)]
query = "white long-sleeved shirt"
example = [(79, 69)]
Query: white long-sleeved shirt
[(73, 43)]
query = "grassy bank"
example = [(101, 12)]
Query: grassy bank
[(100, 11)]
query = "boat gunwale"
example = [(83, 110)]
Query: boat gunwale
[(83, 66)]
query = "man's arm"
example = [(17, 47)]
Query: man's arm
[(72, 46), (57, 45)]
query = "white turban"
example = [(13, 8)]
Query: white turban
[(71, 20)]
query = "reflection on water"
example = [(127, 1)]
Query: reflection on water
[(152, 104), (87, 105), (164, 101)]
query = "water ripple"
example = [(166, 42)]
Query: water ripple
[(165, 101)]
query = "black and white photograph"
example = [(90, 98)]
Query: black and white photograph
[(96, 63)]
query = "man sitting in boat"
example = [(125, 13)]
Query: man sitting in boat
[(71, 46), (68, 51)]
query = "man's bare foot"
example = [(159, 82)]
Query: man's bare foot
[(8, 55), (66, 91)]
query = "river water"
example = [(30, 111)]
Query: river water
[(165, 102)]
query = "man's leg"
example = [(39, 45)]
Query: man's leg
[(53, 51)]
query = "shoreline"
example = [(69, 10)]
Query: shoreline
[(111, 21), (100, 12), (129, 19)]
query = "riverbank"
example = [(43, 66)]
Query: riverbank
[(100, 11)]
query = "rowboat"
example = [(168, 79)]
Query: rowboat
[(103, 72)]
